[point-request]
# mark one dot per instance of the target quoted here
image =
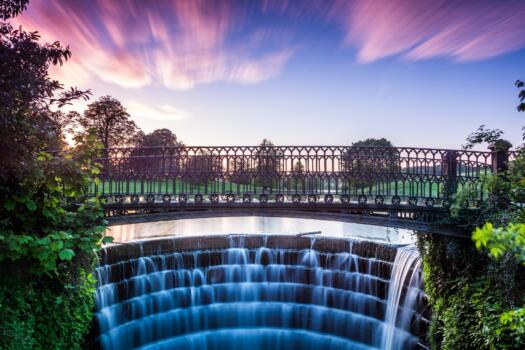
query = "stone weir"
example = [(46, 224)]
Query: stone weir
[(259, 292)]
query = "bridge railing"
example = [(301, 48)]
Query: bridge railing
[(380, 175)]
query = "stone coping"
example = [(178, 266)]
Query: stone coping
[(114, 253)]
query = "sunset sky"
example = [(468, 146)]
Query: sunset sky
[(420, 73)]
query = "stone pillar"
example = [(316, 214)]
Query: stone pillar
[(500, 164), (500, 156), (450, 173)]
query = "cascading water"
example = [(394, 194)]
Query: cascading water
[(405, 282), (257, 292)]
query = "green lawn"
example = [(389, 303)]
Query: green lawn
[(407, 189), (170, 187)]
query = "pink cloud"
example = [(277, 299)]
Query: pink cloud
[(250, 72), (179, 44), (91, 57), (467, 30)]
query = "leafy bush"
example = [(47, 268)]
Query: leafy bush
[(46, 313), (501, 240), (514, 321), (42, 225), (468, 292), (48, 244)]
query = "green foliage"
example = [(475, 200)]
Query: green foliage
[(514, 321), (506, 242), (268, 164), (157, 138), (521, 107), (475, 292), (503, 192), (483, 135), (49, 230), (39, 226), (369, 156), (468, 292), (109, 121), (516, 175), (46, 313), (501, 240), (372, 142), (27, 95), (470, 318)]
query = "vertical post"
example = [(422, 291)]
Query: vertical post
[(500, 156), (450, 173), (500, 164)]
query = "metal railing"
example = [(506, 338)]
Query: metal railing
[(329, 174)]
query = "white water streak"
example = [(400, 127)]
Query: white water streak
[(406, 268)]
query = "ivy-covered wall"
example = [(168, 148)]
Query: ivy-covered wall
[(52, 312), (468, 293)]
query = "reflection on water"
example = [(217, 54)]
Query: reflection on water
[(257, 224)]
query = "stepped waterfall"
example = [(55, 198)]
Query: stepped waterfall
[(259, 292)]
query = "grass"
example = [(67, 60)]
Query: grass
[(175, 186), (170, 187)]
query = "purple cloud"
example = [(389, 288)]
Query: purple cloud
[(467, 30), (134, 43)]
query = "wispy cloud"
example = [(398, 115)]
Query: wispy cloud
[(181, 44), (161, 113), (467, 30), (133, 44)]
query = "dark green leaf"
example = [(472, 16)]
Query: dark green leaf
[(66, 254), (107, 239)]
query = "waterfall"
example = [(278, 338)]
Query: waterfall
[(256, 292), (403, 294)]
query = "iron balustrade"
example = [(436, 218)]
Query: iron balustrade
[(293, 174)]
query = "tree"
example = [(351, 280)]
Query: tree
[(240, 170), (483, 135), (202, 168), (298, 167), (520, 84), (159, 138), (493, 136), (27, 125), (370, 157), (110, 122), (507, 235), (47, 245), (33, 182), (298, 180), (156, 152), (521, 107), (372, 142), (11, 8), (268, 163)]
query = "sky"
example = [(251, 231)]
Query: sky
[(422, 73)]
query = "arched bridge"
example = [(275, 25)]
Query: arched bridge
[(386, 184)]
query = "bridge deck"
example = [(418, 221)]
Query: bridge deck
[(401, 216)]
